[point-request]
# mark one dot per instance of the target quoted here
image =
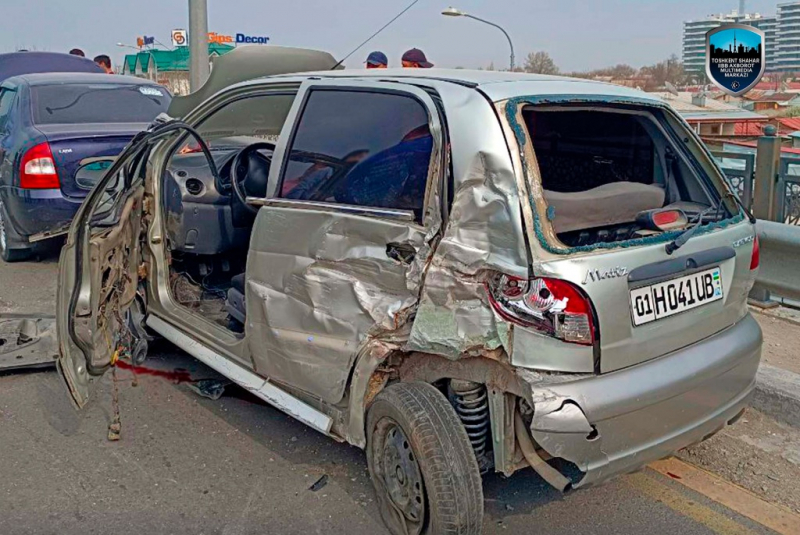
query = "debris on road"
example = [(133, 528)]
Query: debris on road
[(27, 340), (320, 483), (209, 388)]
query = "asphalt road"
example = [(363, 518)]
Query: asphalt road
[(188, 464)]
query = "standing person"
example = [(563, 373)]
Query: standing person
[(377, 60), (77, 52), (415, 59), (105, 62)]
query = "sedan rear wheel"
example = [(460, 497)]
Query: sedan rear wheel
[(6, 252), (422, 464)]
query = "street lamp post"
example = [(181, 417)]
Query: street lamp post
[(198, 44), (453, 12), (155, 65)]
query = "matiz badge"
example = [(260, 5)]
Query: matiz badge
[(735, 57), (594, 275)]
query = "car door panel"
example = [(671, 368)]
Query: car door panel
[(98, 280), (325, 280), (312, 302)]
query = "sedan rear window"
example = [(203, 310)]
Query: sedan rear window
[(98, 103)]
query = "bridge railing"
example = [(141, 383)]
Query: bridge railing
[(740, 171)]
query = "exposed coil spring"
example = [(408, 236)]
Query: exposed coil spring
[(471, 403)]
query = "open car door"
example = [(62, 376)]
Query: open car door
[(98, 279)]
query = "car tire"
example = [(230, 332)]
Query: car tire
[(422, 463), (7, 253)]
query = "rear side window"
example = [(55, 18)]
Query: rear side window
[(362, 149), (98, 103)]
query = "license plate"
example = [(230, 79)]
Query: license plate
[(651, 303)]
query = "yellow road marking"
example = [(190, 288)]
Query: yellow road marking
[(713, 520), (730, 495)]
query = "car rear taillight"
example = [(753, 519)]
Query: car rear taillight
[(662, 219), (38, 170), (755, 259), (552, 306)]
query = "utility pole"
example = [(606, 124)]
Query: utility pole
[(198, 43)]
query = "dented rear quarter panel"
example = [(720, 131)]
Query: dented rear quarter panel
[(484, 232)]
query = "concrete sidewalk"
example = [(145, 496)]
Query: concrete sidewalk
[(778, 383)]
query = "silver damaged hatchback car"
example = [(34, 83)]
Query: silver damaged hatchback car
[(459, 272)]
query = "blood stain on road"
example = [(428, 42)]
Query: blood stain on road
[(176, 376)]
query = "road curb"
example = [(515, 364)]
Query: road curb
[(777, 394)]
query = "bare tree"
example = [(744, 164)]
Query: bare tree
[(541, 63), (670, 70)]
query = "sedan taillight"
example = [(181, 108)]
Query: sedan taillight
[(755, 258), (37, 169), (552, 306)]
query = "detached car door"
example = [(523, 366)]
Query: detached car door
[(338, 251), (98, 278)]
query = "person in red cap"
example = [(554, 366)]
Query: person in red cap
[(415, 59)]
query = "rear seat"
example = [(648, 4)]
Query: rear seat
[(610, 204)]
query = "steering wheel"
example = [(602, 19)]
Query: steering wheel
[(250, 169)]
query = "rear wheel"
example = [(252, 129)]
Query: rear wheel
[(6, 252), (422, 464)]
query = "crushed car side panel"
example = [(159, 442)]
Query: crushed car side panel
[(298, 292), (484, 232)]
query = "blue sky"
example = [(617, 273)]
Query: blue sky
[(724, 38), (579, 34)]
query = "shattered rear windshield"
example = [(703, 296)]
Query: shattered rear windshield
[(605, 170)]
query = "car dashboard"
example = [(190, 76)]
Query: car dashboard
[(201, 219)]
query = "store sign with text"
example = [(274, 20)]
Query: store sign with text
[(181, 38), (238, 39)]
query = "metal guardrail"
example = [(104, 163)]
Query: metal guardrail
[(780, 259), (740, 172)]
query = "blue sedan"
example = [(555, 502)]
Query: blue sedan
[(58, 134)]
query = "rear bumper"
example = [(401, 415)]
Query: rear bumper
[(618, 422), (35, 211)]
